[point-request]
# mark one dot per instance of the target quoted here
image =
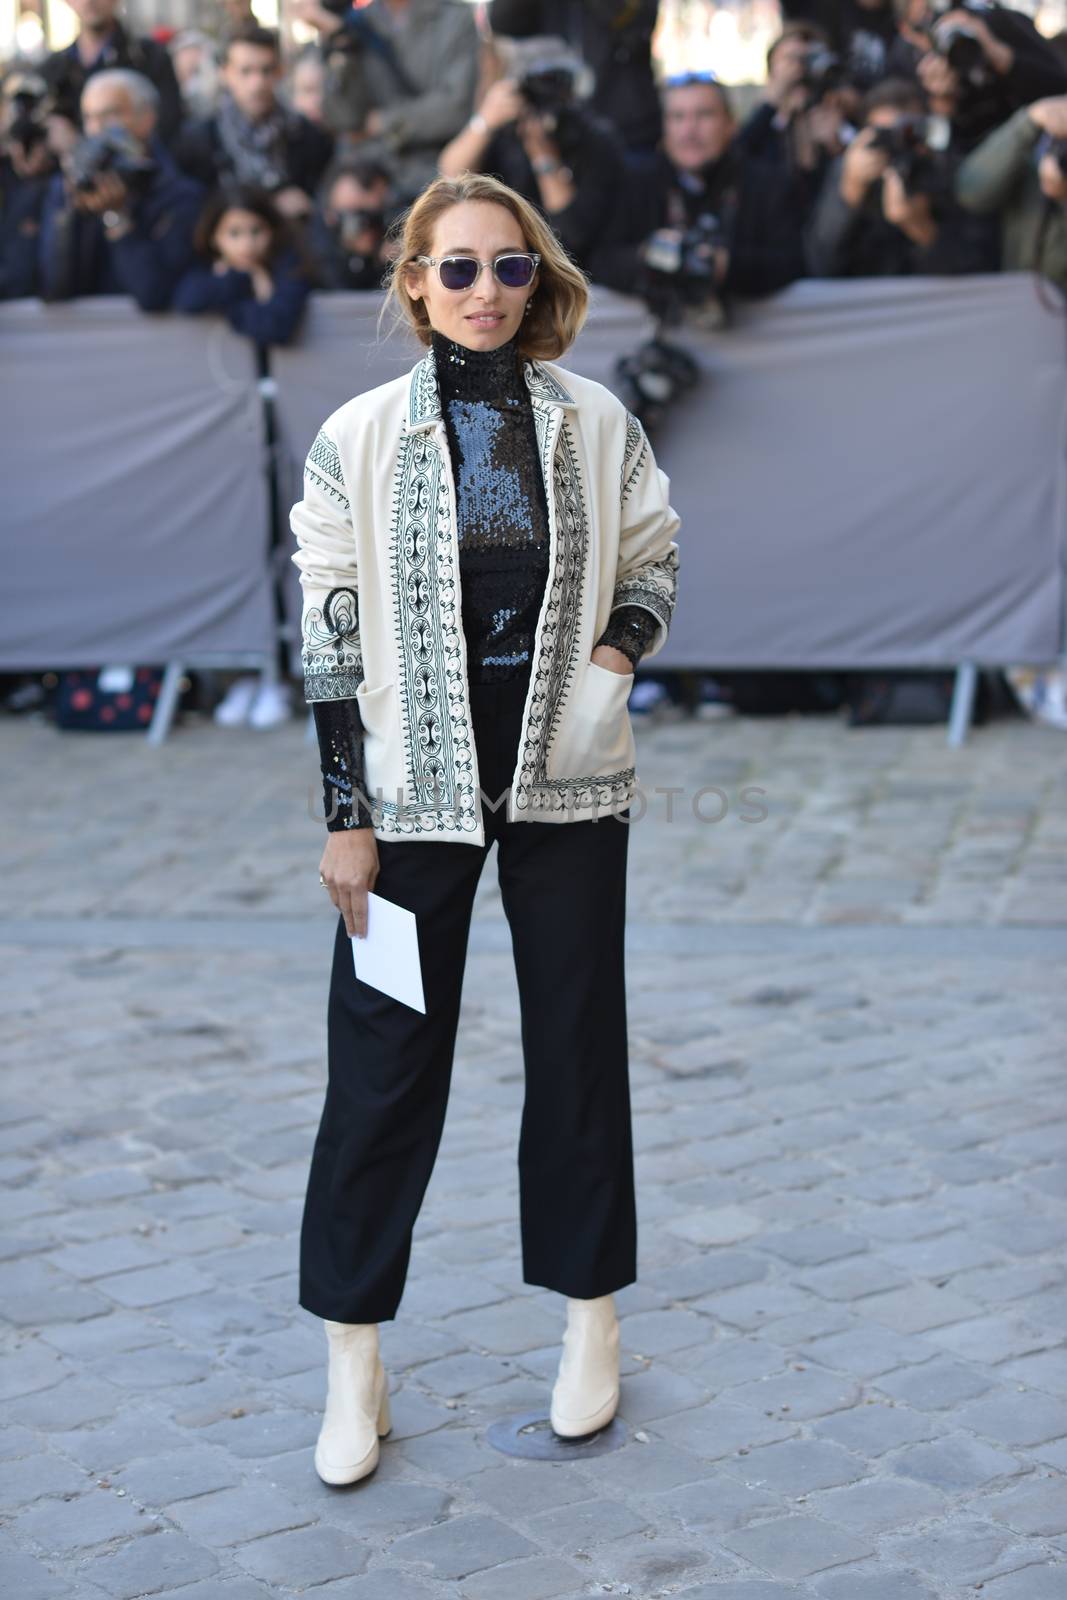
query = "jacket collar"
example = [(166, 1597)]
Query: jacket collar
[(424, 396)]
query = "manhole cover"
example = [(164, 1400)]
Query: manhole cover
[(531, 1435)]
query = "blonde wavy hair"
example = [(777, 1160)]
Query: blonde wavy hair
[(561, 299)]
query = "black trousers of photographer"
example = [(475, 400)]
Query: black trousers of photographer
[(563, 887)]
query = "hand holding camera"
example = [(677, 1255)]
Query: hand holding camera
[(909, 212), (1050, 116), (865, 162)]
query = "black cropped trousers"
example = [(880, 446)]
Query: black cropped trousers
[(563, 887)]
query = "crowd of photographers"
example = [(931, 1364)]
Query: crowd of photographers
[(203, 173)]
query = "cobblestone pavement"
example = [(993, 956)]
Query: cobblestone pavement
[(845, 1358)]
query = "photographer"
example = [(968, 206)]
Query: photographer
[(252, 137), (103, 45), (26, 167), (400, 79), (348, 233), (706, 221), (978, 64), (614, 39), (887, 206), (1019, 174), (861, 33), (801, 125), (532, 131), (119, 219)]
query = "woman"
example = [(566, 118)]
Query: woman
[(485, 548)]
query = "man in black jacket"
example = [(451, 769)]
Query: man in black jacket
[(103, 43), (702, 187), (253, 137)]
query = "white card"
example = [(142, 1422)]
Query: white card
[(388, 958)]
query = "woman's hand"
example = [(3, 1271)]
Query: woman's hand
[(349, 868), (606, 655)]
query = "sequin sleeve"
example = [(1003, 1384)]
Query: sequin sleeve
[(344, 787), (630, 629)]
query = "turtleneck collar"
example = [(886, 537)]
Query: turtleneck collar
[(478, 374)]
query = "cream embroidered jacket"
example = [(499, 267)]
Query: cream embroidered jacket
[(378, 557)]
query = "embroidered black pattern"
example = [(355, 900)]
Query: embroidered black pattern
[(633, 458), (556, 659), (654, 588), (440, 792), (434, 712), (323, 466)]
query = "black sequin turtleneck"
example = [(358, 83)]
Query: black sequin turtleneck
[(501, 509), (503, 535)]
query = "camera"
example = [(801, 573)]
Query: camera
[(690, 254), (352, 225), (115, 150), (29, 99), (1056, 148), (548, 89), (963, 51), (822, 72), (910, 155), (654, 375)]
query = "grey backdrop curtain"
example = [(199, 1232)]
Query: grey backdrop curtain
[(869, 473), (134, 507)]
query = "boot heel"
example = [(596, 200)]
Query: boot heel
[(385, 1416)]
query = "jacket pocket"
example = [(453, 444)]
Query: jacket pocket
[(383, 743), (594, 736)]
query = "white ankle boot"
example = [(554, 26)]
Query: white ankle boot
[(586, 1392), (357, 1404)]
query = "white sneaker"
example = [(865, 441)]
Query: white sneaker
[(586, 1392), (271, 706), (232, 710), (357, 1404)]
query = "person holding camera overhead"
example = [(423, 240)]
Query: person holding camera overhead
[(400, 79), (486, 547), (119, 217), (801, 125), (533, 132)]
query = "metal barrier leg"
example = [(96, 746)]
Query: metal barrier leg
[(167, 704), (959, 717)]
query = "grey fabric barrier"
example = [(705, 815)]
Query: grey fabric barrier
[(869, 473), (135, 507)]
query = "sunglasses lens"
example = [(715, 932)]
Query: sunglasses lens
[(514, 272), (458, 272)]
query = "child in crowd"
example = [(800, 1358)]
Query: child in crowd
[(249, 267)]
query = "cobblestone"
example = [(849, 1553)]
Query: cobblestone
[(844, 1360)]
